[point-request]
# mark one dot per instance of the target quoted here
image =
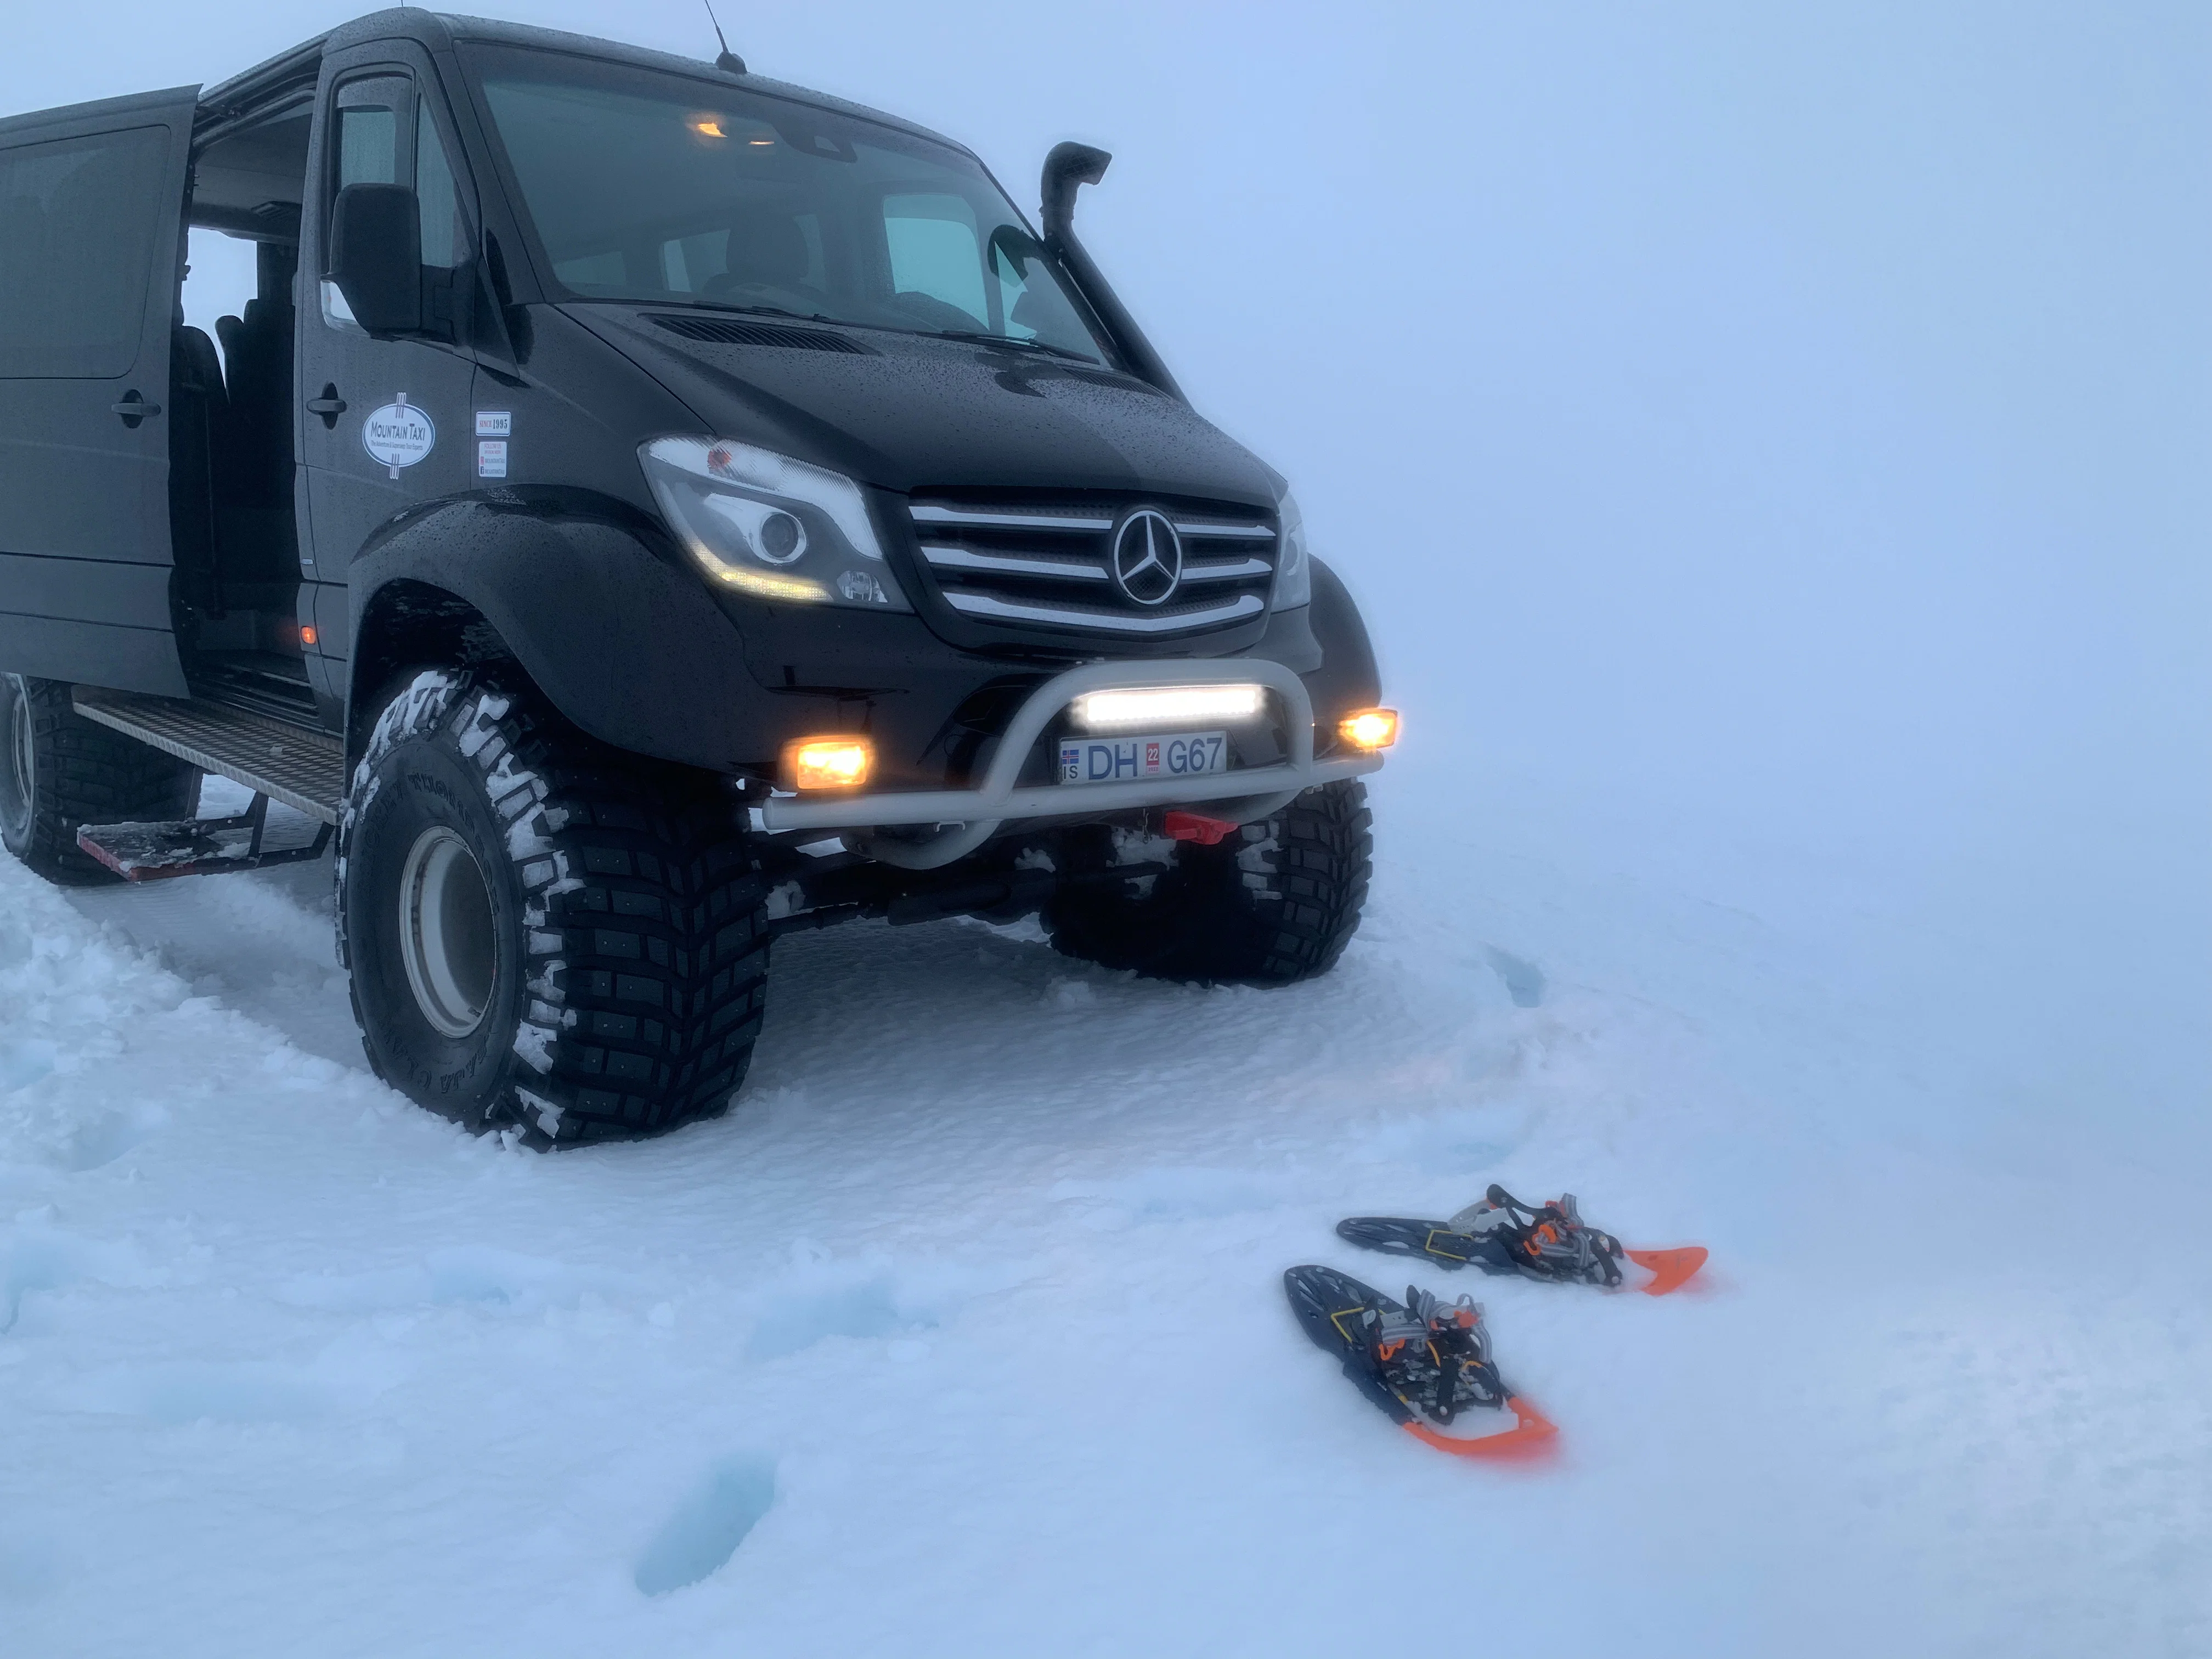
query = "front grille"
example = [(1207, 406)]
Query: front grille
[(1045, 564)]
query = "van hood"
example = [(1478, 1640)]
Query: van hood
[(909, 412)]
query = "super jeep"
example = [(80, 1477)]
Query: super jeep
[(643, 508)]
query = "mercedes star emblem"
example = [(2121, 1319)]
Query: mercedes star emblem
[(1147, 557)]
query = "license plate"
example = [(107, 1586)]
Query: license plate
[(1129, 760)]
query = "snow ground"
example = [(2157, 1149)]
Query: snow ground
[(1819, 395), (963, 1333)]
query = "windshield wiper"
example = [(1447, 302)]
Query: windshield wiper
[(982, 338)]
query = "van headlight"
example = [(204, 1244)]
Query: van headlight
[(1293, 569), (770, 526)]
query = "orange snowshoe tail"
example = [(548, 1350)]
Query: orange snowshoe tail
[(1670, 1269), (1533, 1438)]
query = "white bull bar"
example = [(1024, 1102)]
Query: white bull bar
[(966, 819)]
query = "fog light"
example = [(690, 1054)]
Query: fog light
[(1370, 728), (829, 762), (1167, 706)]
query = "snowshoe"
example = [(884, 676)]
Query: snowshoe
[(1501, 1235), (1424, 1363)]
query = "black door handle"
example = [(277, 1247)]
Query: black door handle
[(330, 406), (134, 408)]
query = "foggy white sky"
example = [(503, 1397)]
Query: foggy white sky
[(1768, 438)]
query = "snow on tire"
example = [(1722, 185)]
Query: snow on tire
[(1272, 905), (542, 931)]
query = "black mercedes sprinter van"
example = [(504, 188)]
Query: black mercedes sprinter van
[(645, 508)]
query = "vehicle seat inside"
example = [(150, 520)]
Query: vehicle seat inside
[(765, 256), (237, 587), (201, 404), (255, 537)]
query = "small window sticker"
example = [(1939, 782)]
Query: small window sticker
[(494, 424), (491, 457), (397, 434)]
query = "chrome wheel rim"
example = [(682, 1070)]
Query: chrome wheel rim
[(18, 778), (446, 933)]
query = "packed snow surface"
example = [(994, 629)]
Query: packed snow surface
[(963, 1333), (1768, 442)]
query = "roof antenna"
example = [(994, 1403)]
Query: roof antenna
[(729, 60)]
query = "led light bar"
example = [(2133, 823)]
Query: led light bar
[(1167, 706)]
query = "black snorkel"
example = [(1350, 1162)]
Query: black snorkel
[(1067, 168)]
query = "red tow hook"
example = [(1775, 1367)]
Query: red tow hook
[(1196, 826)]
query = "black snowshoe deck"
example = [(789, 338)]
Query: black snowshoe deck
[(1504, 1236)]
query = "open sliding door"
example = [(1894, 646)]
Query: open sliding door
[(91, 216)]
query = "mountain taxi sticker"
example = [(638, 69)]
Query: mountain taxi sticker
[(398, 434)]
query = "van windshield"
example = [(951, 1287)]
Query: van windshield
[(651, 187)]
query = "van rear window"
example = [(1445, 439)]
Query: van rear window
[(78, 221)]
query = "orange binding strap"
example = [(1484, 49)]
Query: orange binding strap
[(1670, 1269), (1533, 1437)]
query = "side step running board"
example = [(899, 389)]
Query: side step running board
[(192, 847), (303, 769)]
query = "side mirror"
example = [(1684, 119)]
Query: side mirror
[(1068, 166), (376, 257)]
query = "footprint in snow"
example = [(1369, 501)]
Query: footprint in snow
[(1458, 1140), (97, 1141), (37, 1256), (23, 1061), (190, 1393), (501, 1281), (797, 1322), (1524, 981), (345, 1377), (1169, 1194), (704, 1530)]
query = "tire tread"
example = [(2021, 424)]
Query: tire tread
[(1273, 905), (90, 773), (645, 922)]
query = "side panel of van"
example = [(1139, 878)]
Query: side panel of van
[(91, 222)]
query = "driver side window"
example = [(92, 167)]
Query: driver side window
[(368, 142), (438, 198), (385, 135)]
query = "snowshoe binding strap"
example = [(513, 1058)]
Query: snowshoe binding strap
[(1434, 1356), (1501, 1235), (1424, 1363), (1545, 1241)]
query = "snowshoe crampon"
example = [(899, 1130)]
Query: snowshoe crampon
[(1424, 1363), (1499, 1234)]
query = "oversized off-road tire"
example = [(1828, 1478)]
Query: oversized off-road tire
[(58, 770), (1271, 904), (542, 931)]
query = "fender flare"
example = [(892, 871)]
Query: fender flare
[(1348, 678), (584, 594)]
